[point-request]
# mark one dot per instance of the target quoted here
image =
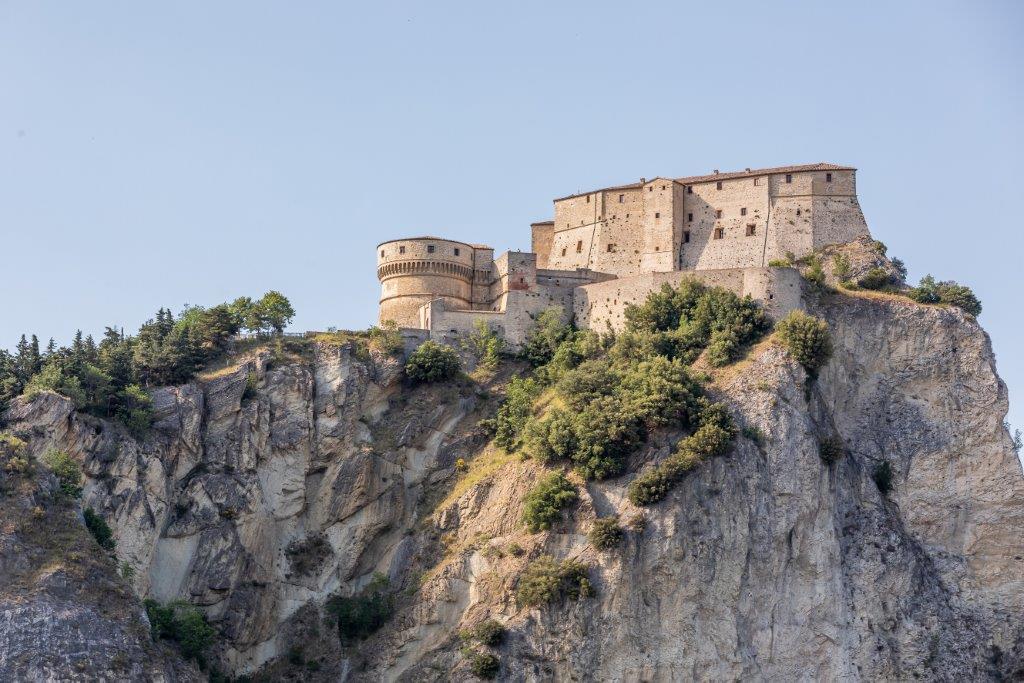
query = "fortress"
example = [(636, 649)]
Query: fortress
[(610, 247)]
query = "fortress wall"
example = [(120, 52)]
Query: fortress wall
[(791, 227), (414, 271), (735, 248), (513, 323), (593, 226), (602, 305), (659, 227), (837, 220), (542, 237)]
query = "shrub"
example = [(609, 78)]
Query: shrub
[(754, 433), (806, 338), (386, 339), (779, 263), (948, 292), (606, 533), (876, 278), (545, 501), (251, 385), (831, 449), (485, 345), (883, 476), (99, 529), (544, 338), (182, 623), (135, 410), (361, 615), (488, 632), (432, 362), (814, 273), (545, 580), (515, 411), (484, 664), (841, 266), (66, 469)]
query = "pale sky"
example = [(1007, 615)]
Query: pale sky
[(157, 154)]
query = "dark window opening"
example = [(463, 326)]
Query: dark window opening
[(401, 250), (828, 177), (689, 189), (622, 198), (718, 185), (743, 211), (798, 212), (456, 251), (657, 249), (611, 248), (563, 251), (651, 188), (751, 229), (382, 253), (588, 199), (579, 246), (719, 233), (689, 217), (718, 213), (686, 236), (789, 178), (657, 214), (430, 248)]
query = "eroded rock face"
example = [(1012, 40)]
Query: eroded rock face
[(766, 564)]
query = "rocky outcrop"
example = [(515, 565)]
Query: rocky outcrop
[(275, 484)]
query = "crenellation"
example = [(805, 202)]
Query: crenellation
[(608, 248)]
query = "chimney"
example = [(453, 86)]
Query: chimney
[(748, 169), (716, 171), (643, 180)]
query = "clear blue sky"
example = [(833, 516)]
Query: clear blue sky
[(155, 154)]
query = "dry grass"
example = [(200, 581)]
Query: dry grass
[(481, 468)]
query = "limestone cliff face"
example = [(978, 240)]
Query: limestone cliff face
[(766, 564)]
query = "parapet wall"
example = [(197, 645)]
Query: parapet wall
[(602, 305)]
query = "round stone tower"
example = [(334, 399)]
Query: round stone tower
[(416, 270)]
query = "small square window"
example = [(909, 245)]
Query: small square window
[(689, 217), (751, 229), (456, 251), (611, 248), (430, 248), (686, 236), (828, 177), (401, 250), (789, 178), (743, 211), (657, 214), (689, 189), (622, 198), (718, 213), (719, 233), (718, 185)]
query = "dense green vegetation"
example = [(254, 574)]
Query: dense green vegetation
[(606, 533), (948, 292), (488, 632), (484, 664), (883, 475), (432, 362), (807, 338), (831, 449), (109, 379), (182, 623), (99, 529), (360, 615), (546, 580), (67, 471), (545, 501)]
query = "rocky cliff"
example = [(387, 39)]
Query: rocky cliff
[(271, 486)]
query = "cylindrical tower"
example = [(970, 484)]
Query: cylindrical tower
[(416, 270)]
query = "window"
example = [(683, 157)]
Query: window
[(689, 217), (686, 236), (751, 229), (718, 213), (663, 187), (657, 214), (579, 246), (563, 251), (689, 189), (719, 233), (789, 178), (456, 251), (611, 248), (622, 198), (588, 199), (828, 177), (382, 253), (798, 212), (651, 188), (401, 250), (743, 211), (718, 185), (657, 249), (430, 248), (757, 181)]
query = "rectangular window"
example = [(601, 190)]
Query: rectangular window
[(657, 214), (622, 198), (686, 236), (651, 188), (456, 251), (719, 233), (718, 185), (757, 181), (743, 211), (382, 253), (751, 229), (689, 189), (689, 217), (588, 199), (401, 250), (789, 178), (579, 246), (828, 177), (430, 248), (663, 187), (611, 248), (718, 213), (798, 212), (563, 251)]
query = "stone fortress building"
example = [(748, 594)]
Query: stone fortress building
[(609, 248)]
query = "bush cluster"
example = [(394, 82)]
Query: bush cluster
[(432, 362), (183, 624), (713, 437), (831, 449), (515, 411), (67, 471), (99, 529), (485, 345), (361, 615), (545, 580), (546, 500), (489, 632), (606, 533), (386, 339), (948, 292), (484, 664), (876, 278), (806, 338)]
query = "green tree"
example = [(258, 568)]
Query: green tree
[(432, 362), (807, 338), (545, 501), (275, 311)]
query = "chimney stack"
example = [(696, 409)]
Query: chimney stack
[(716, 171)]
